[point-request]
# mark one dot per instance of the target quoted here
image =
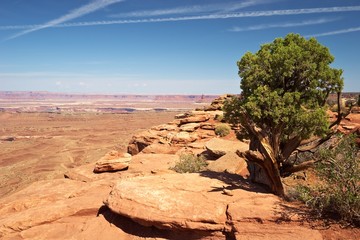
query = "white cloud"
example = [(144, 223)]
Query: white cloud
[(282, 25), (342, 31), (76, 13), (58, 83)]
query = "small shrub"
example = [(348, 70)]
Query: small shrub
[(189, 163), (338, 195), (219, 117), (222, 130)]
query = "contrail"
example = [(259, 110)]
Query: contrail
[(282, 25), (189, 18), (348, 30), (194, 9), (76, 13)]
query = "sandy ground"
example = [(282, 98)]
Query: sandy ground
[(46, 145)]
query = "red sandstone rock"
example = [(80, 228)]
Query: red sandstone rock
[(112, 161), (230, 163), (197, 202), (219, 147), (189, 127), (195, 119)]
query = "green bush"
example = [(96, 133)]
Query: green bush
[(338, 195), (219, 117), (189, 163), (222, 130)]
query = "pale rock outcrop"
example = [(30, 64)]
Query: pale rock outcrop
[(219, 147), (195, 119), (112, 161), (189, 127), (184, 138)]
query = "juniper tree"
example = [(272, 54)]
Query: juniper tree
[(284, 90)]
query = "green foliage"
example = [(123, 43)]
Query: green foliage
[(358, 101), (285, 86), (189, 163), (222, 130), (339, 194), (219, 117)]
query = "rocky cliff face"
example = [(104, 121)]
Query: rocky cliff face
[(139, 197)]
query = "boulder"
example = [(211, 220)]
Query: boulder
[(184, 138), (189, 127), (230, 163), (112, 165), (112, 161), (218, 147)]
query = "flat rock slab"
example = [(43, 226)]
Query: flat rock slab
[(201, 202), (173, 201), (190, 127), (179, 201)]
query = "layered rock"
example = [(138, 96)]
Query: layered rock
[(168, 138)]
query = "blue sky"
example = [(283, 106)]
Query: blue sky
[(160, 46)]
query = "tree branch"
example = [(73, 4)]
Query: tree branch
[(288, 170)]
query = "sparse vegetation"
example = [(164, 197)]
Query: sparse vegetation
[(222, 130), (189, 163), (219, 117), (338, 194)]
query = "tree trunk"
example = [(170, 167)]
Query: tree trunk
[(263, 166)]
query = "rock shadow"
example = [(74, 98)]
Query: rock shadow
[(128, 226), (235, 181)]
